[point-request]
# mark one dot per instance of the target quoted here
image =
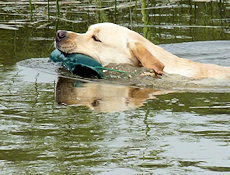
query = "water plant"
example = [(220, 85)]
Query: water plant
[(31, 8), (57, 7), (48, 6)]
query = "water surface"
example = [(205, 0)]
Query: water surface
[(121, 125)]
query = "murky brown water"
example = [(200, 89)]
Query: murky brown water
[(53, 123)]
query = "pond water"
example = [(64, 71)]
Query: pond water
[(54, 123)]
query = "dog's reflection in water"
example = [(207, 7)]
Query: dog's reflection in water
[(102, 97)]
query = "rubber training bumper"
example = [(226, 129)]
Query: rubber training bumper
[(78, 64)]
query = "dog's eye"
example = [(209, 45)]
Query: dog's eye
[(95, 38)]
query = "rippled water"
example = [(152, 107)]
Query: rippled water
[(53, 123)]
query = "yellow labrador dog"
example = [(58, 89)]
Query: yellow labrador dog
[(110, 43)]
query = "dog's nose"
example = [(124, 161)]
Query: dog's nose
[(61, 34)]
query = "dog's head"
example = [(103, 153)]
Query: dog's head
[(109, 43)]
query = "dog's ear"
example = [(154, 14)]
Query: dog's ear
[(143, 57)]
